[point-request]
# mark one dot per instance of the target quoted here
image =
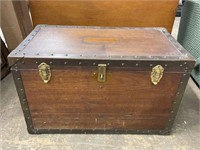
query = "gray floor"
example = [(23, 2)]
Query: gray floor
[(185, 135)]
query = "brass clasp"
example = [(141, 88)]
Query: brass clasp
[(45, 72), (156, 74), (101, 72)]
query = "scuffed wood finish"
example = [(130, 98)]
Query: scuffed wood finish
[(128, 13), (93, 41), (73, 99)]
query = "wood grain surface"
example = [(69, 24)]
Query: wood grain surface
[(73, 99), (100, 42), (128, 13)]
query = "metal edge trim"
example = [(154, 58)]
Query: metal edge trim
[(22, 97), (23, 44), (178, 66), (96, 131), (177, 100), (178, 46)]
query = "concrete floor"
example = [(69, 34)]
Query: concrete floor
[(185, 134)]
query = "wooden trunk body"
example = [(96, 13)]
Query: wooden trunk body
[(75, 101)]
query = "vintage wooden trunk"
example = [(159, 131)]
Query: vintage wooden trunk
[(99, 79)]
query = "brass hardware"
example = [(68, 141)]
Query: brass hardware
[(156, 74), (101, 72), (45, 72)]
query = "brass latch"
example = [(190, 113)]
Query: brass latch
[(156, 74), (45, 72), (101, 72)]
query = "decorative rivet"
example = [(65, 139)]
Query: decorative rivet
[(178, 93), (22, 90), (80, 63), (186, 67), (23, 62), (151, 65), (51, 62), (172, 111), (181, 65), (181, 82), (17, 59), (65, 62), (28, 117), (122, 64), (136, 64), (184, 74), (24, 100), (166, 65), (36, 62), (174, 102), (94, 63), (18, 78), (108, 64), (15, 64), (185, 63), (26, 109), (16, 70)]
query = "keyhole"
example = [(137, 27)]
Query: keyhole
[(101, 76)]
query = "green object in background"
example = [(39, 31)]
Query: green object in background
[(189, 33)]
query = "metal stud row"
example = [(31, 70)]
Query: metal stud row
[(23, 98), (177, 101), (108, 63)]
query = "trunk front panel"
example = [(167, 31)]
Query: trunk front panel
[(74, 99)]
